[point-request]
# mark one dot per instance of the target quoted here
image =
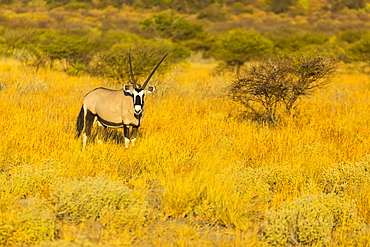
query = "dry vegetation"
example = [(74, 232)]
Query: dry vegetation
[(199, 175)]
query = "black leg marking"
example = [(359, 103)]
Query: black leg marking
[(90, 117), (80, 122), (127, 135), (127, 131)]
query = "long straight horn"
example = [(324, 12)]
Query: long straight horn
[(131, 73), (151, 74)]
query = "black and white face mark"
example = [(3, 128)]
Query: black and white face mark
[(138, 97)]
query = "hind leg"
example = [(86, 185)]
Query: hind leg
[(89, 121)]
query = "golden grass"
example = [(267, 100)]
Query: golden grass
[(206, 176)]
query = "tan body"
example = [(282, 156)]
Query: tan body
[(113, 106), (113, 109)]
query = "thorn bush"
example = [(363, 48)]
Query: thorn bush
[(274, 86)]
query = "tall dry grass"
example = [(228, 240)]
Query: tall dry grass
[(200, 174)]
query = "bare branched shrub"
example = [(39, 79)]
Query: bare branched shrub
[(275, 85)]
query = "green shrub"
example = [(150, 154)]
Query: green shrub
[(92, 198), (26, 222), (237, 46), (350, 36), (360, 50), (292, 41), (113, 63), (170, 26), (213, 13), (119, 37), (310, 219), (77, 5), (71, 47)]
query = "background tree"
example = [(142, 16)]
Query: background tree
[(360, 50), (237, 46), (74, 49), (279, 6), (171, 26), (275, 85), (113, 63)]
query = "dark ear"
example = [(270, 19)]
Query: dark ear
[(151, 89), (127, 88)]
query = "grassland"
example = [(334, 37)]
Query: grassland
[(200, 174)]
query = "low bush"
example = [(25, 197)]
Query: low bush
[(345, 178), (26, 181), (92, 198), (310, 219), (26, 222)]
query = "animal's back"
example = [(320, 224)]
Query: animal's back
[(101, 97), (110, 105)]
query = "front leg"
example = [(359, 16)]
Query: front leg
[(133, 135), (127, 135)]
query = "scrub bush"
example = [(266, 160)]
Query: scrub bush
[(26, 222), (25, 181), (310, 219), (345, 178), (91, 198)]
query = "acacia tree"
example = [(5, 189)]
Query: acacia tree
[(275, 85), (237, 46)]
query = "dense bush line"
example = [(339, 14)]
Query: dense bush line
[(83, 40), (276, 6)]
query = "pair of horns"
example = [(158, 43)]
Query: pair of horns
[(149, 77)]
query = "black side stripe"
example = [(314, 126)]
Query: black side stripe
[(109, 124)]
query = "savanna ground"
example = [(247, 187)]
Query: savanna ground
[(200, 174)]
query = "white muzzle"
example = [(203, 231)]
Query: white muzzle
[(138, 109)]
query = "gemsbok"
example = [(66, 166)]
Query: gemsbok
[(122, 108)]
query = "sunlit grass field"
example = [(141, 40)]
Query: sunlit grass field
[(200, 174)]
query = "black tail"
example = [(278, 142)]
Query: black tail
[(80, 122)]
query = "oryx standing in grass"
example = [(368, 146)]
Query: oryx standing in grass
[(115, 108)]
